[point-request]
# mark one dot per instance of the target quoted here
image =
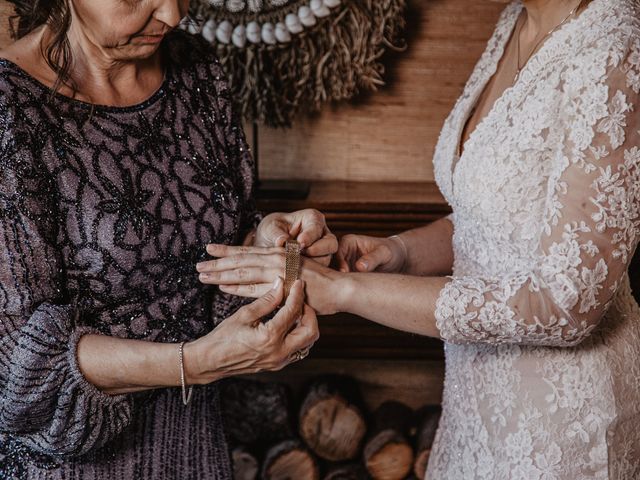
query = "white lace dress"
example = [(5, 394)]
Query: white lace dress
[(542, 333)]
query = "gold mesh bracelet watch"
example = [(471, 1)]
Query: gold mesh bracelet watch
[(292, 265)]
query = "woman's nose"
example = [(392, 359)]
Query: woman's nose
[(170, 12)]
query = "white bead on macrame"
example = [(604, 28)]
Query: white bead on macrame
[(193, 28), (239, 36), (282, 33), (223, 32), (209, 30), (319, 9), (254, 33), (306, 16), (269, 34), (293, 23)]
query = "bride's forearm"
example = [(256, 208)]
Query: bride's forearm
[(430, 251), (401, 302)]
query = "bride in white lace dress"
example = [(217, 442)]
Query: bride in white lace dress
[(542, 334)]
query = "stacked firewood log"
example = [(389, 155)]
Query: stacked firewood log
[(330, 436)]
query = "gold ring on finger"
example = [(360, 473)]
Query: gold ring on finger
[(302, 354)]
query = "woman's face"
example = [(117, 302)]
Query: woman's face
[(127, 29)]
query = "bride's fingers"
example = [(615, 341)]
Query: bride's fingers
[(373, 259), (217, 250), (346, 254), (343, 265), (254, 290), (240, 276), (327, 245)]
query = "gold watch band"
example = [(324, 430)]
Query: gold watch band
[(292, 265)]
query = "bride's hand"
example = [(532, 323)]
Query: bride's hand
[(360, 253), (250, 271), (308, 227)]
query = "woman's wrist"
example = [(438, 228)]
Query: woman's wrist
[(401, 251), (345, 290), (198, 361)]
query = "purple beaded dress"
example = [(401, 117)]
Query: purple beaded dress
[(104, 212)]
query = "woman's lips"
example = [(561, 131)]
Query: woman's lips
[(149, 39)]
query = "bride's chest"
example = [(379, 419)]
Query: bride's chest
[(504, 170)]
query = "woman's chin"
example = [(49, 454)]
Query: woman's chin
[(139, 51)]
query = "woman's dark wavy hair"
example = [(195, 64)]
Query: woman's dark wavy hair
[(56, 14)]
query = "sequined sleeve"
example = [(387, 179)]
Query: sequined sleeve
[(46, 402)]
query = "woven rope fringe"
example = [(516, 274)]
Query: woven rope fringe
[(333, 61)]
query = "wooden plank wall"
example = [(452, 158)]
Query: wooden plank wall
[(5, 11), (388, 136)]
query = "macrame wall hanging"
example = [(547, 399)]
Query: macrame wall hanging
[(285, 57)]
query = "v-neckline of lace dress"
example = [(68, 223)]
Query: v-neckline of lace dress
[(527, 74)]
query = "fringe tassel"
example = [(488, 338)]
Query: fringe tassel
[(333, 61)]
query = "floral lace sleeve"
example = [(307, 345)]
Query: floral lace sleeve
[(590, 231)]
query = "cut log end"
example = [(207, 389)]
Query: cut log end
[(420, 466), (331, 419), (256, 411), (289, 460), (245, 465), (333, 429), (392, 462), (427, 427), (293, 465), (388, 456), (350, 471)]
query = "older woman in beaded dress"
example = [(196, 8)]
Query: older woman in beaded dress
[(120, 160)]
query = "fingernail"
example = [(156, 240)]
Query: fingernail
[(277, 283), (199, 266), (204, 276), (365, 265), (280, 240)]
